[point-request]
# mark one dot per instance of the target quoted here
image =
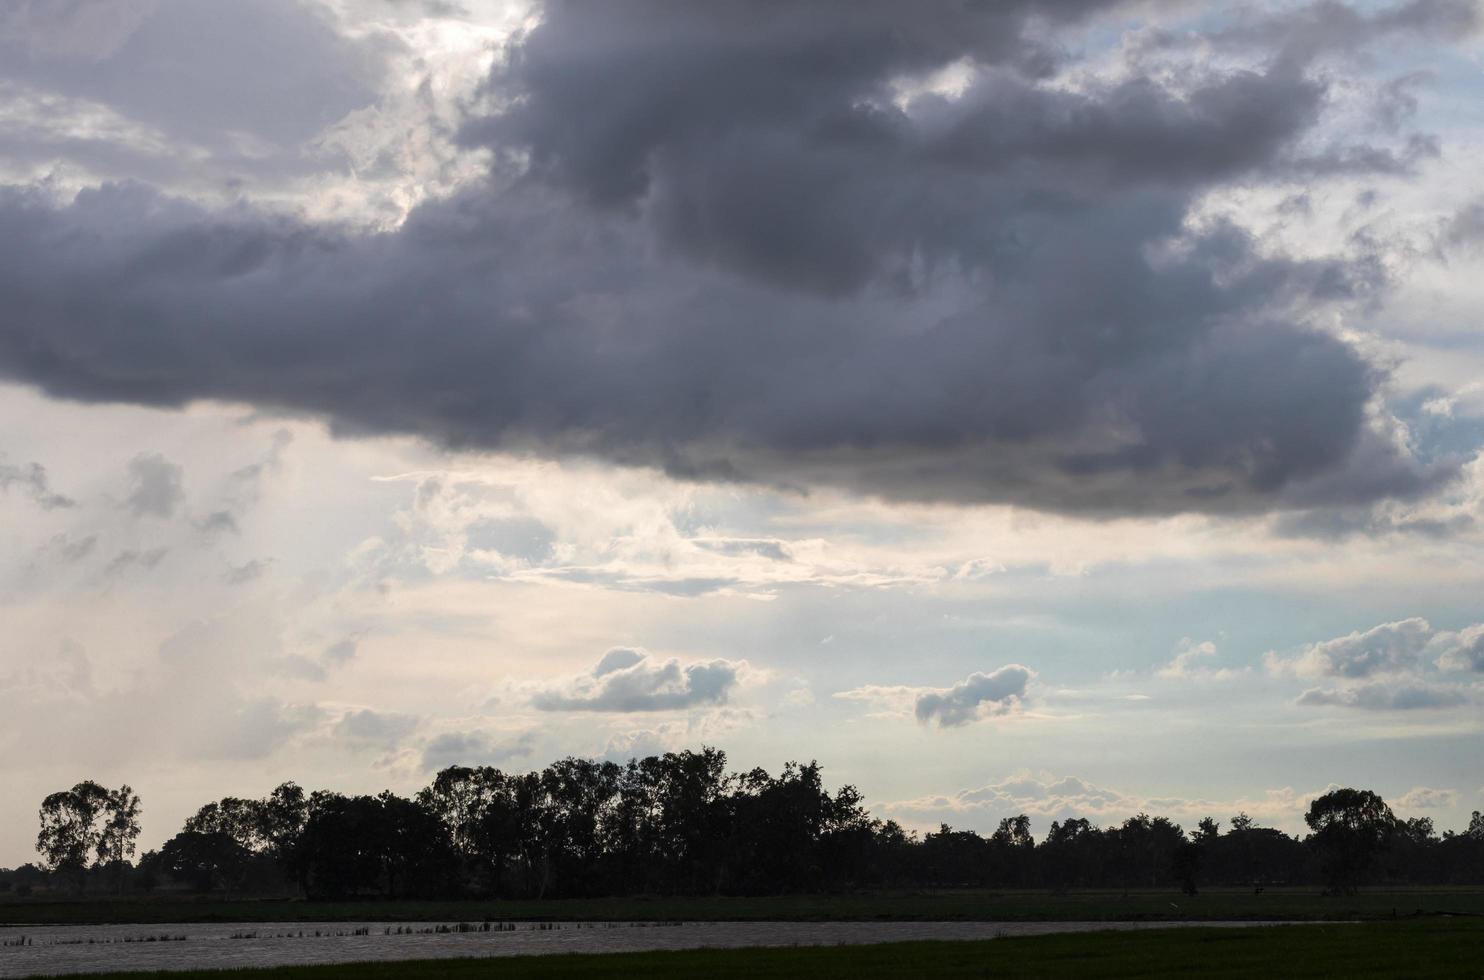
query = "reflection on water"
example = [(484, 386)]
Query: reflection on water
[(52, 950)]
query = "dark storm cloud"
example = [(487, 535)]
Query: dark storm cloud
[(721, 242)]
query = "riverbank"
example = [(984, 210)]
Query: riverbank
[(954, 905), (1417, 948)]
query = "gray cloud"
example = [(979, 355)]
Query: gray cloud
[(625, 680), (1326, 26), (1390, 648), (1466, 228), (256, 728), (619, 658), (995, 297), (239, 86), (1340, 524), (1382, 696), (154, 486), (763, 547), (218, 521), (305, 666), (248, 571), (31, 479), (474, 748), (978, 696), (1463, 650), (379, 728), (340, 651), (72, 549), (135, 558), (1426, 798)]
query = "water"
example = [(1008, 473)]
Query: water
[(56, 950)]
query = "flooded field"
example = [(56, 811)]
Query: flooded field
[(57, 950)]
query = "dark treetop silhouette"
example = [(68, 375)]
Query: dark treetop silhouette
[(681, 824)]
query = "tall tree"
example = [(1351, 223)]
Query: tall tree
[(1351, 829), (119, 831), (87, 821)]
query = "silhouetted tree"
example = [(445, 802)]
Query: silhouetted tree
[(206, 859), (1351, 829), (1013, 850), (681, 823), (119, 831), (87, 821), (1071, 853)]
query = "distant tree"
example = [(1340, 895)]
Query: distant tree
[(1014, 850), (1352, 827), (1418, 830), (70, 829), (1241, 823), (1186, 866), (279, 820), (1192, 855), (475, 804), (207, 859), (1014, 832), (235, 817), (119, 831), (1476, 826), (1072, 854)]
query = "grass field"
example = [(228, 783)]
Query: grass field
[(1303, 904), (1418, 948)]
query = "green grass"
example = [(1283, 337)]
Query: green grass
[(1419, 948), (1303, 904)]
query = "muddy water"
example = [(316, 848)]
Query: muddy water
[(56, 950)]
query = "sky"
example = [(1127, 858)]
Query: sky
[(1063, 408)]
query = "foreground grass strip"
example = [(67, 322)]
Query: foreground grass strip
[(1005, 905), (1432, 948)]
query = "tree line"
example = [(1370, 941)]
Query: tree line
[(680, 823)]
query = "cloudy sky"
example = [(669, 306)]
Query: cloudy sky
[(1060, 408)]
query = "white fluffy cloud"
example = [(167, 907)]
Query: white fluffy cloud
[(1386, 649), (1192, 662), (1462, 651), (1424, 798), (1384, 668)]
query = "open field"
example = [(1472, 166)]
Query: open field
[(1417, 948), (1298, 904)]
